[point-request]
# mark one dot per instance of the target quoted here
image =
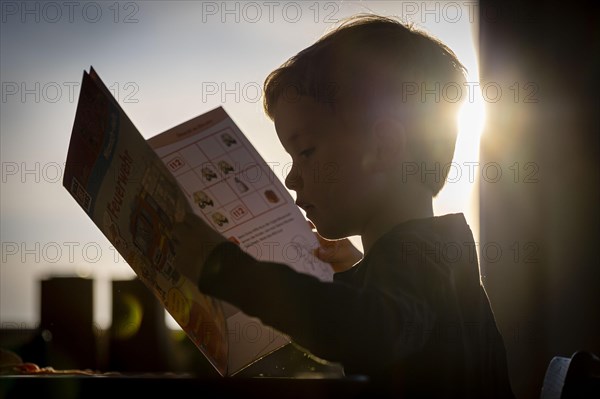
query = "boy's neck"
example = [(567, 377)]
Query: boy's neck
[(412, 204)]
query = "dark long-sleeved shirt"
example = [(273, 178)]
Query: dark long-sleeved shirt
[(412, 313)]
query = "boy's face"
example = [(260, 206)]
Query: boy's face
[(329, 174)]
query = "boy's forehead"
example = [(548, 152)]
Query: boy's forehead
[(297, 107), (298, 116)]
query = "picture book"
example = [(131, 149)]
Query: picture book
[(135, 190)]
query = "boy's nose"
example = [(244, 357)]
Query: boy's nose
[(293, 180)]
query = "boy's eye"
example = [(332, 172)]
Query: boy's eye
[(307, 153)]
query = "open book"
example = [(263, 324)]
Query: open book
[(134, 190)]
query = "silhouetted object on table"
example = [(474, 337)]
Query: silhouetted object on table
[(66, 332), (138, 333)]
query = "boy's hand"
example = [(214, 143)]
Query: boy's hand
[(194, 240), (340, 254)]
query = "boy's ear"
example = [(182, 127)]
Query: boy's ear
[(389, 142)]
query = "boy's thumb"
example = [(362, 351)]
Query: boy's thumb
[(324, 253)]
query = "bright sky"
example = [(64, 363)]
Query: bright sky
[(165, 62)]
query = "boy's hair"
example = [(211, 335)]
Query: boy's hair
[(385, 67)]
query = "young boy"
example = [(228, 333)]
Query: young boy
[(412, 314)]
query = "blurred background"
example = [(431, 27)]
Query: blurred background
[(525, 171)]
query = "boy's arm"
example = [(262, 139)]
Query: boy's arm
[(191, 252), (364, 329)]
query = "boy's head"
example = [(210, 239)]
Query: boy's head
[(381, 66), (368, 70)]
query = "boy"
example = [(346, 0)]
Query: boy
[(412, 314)]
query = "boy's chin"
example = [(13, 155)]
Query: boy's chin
[(330, 232)]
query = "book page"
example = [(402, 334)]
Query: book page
[(232, 188)]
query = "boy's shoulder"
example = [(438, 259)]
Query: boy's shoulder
[(438, 249), (438, 232)]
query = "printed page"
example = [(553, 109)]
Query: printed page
[(122, 185), (231, 187)]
